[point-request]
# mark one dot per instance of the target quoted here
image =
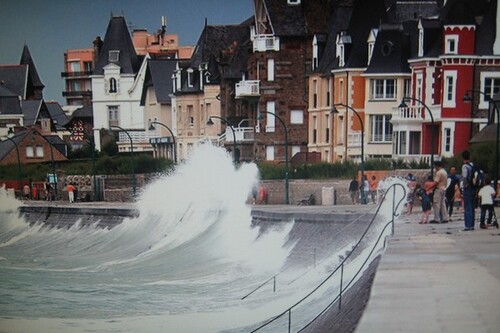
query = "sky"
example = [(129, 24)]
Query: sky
[(50, 27)]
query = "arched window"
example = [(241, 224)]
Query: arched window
[(112, 85)]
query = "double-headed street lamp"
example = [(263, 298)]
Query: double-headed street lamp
[(35, 132), (403, 105), (152, 128), (468, 99), (131, 156), (287, 198), (335, 110), (18, 163), (225, 121)]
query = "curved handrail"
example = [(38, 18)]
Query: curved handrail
[(341, 266)]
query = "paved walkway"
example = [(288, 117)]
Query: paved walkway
[(436, 278)]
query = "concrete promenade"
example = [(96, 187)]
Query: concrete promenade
[(436, 278)]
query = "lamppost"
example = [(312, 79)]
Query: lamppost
[(334, 110), (287, 200), (131, 156), (224, 120), (35, 132), (152, 128), (467, 98), (18, 163), (403, 105)]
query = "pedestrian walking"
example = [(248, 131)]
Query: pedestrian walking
[(365, 188), (71, 192), (452, 184), (486, 195), (373, 189), (438, 201), (354, 191)]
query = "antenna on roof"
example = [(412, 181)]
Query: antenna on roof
[(206, 21)]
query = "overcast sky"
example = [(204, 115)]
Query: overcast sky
[(50, 27)]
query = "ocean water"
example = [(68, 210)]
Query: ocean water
[(183, 265)]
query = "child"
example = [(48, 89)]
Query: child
[(486, 195), (426, 200), (457, 199)]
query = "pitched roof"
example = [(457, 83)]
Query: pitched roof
[(286, 20), (118, 38), (31, 109), (26, 59), (83, 112), (404, 10), (485, 33), (15, 78), (6, 146), (370, 13), (159, 76), (391, 51), (57, 114), (9, 102)]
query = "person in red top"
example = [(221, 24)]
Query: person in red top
[(71, 192), (373, 189)]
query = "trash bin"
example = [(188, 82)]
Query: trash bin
[(327, 196)]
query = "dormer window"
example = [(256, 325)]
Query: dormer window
[(420, 42), (371, 43), (294, 2), (451, 44), (114, 56), (190, 77)]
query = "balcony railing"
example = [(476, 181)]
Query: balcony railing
[(137, 137), (415, 113), (354, 140), (248, 88), (263, 43), (79, 93), (76, 74)]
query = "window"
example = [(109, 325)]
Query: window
[(315, 130), (270, 153), (270, 118), (447, 140), (451, 44), (315, 94), (190, 117), (402, 143), (114, 56), (30, 152), (491, 88), (45, 124), (407, 87), (418, 88), (270, 69), (75, 85), (449, 93), (87, 65), (295, 150), (328, 91), (112, 85), (190, 77), (39, 151), (383, 89), (294, 2), (421, 41), (75, 66), (381, 128), (296, 117), (327, 128), (414, 146), (113, 115)]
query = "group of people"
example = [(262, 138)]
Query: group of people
[(368, 189), (443, 192)]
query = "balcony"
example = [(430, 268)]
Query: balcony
[(416, 114), (248, 88), (263, 43), (80, 93), (76, 74)]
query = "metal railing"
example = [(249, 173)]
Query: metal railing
[(340, 268)]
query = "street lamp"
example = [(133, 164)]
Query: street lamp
[(18, 163), (334, 110), (287, 201), (152, 128), (35, 132), (224, 120), (131, 155), (403, 105), (467, 98)]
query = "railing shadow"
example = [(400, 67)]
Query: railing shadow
[(340, 268)]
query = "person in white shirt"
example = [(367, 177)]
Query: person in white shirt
[(486, 195)]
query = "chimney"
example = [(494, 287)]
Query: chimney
[(97, 48)]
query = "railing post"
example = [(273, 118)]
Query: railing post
[(341, 286), (393, 208), (289, 320), (274, 284)]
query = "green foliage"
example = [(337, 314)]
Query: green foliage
[(378, 164), (308, 171), (110, 148)]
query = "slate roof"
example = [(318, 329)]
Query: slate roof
[(6, 146), (339, 21), (391, 51), (404, 10), (118, 38), (485, 33), (31, 109), (14, 77), (159, 75), (57, 114), (367, 14), (9, 102), (26, 59), (83, 112), (462, 12), (286, 20)]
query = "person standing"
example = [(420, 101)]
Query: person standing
[(468, 191), (486, 195), (71, 192), (365, 188), (373, 189), (453, 181), (354, 191), (410, 198), (439, 205)]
